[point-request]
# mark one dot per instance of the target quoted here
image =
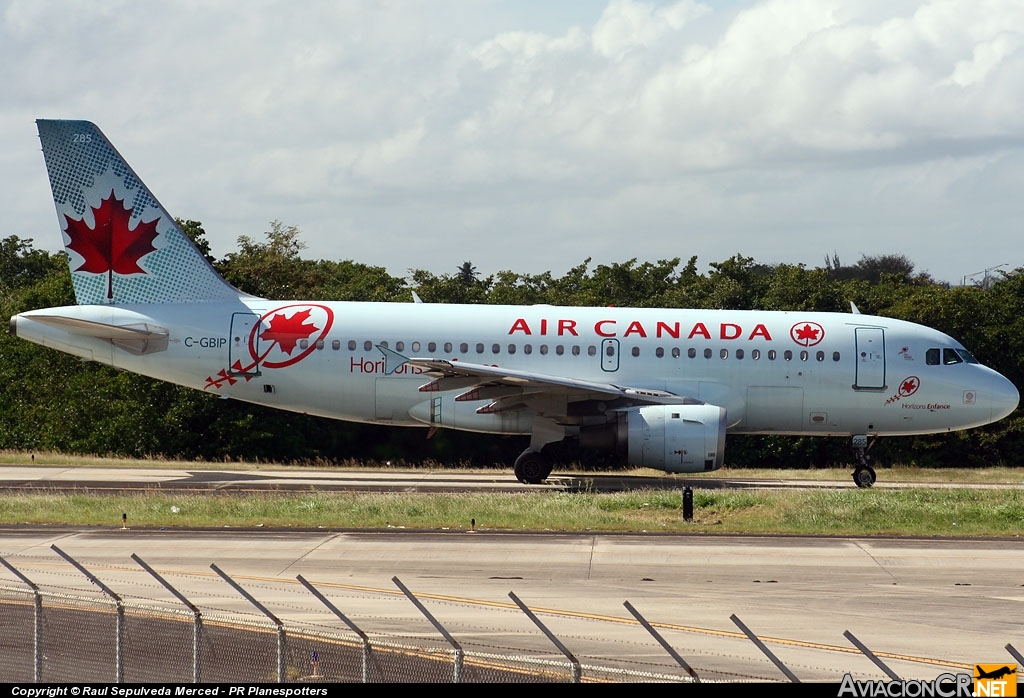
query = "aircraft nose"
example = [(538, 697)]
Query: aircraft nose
[(1005, 398)]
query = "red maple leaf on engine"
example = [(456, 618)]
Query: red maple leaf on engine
[(110, 246), (287, 331)]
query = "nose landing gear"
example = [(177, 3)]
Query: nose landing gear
[(863, 474)]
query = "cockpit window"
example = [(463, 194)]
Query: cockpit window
[(949, 356), (931, 357), (967, 356)]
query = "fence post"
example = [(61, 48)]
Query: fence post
[(577, 670), (352, 626), (657, 636), (280, 626), (764, 648), (870, 655), (457, 670), (118, 606), (197, 620), (37, 623)]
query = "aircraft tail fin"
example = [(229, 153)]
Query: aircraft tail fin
[(123, 247)]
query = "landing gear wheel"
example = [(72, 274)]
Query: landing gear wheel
[(532, 468), (864, 476)]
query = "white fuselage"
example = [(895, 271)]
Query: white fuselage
[(773, 372)]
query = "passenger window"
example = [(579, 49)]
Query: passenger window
[(636, 351), (592, 350), (609, 350), (351, 345), (835, 356), (559, 349), (755, 354), (575, 349), (949, 357), (675, 352), (527, 348), (820, 356), (367, 345), (511, 348), (771, 355), (804, 355), (447, 348), (692, 353), (384, 343), (543, 349), (495, 348), (399, 346), (659, 352), (739, 354), (416, 346), (303, 343), (463, 348), (708, 353), (319, 344), (787, 355), (724, 353), (480, 348)]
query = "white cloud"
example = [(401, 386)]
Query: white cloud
[(535, 135)]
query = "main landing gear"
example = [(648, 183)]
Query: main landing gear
[(863, 474), (532, 468)]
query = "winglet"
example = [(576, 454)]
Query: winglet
[(392, 359)]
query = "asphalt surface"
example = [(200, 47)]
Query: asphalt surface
[(926, 606), (259, 479)]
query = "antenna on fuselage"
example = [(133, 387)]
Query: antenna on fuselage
[(854, 309)]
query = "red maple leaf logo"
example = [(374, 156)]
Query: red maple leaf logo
[(110, 246), (287, 331), (909, 386), (807, 334)]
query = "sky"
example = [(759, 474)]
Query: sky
[(530, 136)]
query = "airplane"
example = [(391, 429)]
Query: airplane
[(995, 673), (662, 386)]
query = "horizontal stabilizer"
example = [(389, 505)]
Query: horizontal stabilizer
[(138, 339)]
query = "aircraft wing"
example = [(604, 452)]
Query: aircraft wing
[(509, 388)]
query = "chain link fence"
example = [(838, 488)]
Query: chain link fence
[(56, 637)]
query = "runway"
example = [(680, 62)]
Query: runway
[(926, 606), (257, 479)]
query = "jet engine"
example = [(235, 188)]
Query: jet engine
[(676, 438)]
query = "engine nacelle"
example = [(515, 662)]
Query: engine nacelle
[(676, 438)]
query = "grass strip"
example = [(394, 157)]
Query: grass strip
[(904, 512)]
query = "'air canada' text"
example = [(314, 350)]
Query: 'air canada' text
[(635, 328)]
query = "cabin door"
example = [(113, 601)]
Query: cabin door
[(610, 355), (870, 358), (240, 359)]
